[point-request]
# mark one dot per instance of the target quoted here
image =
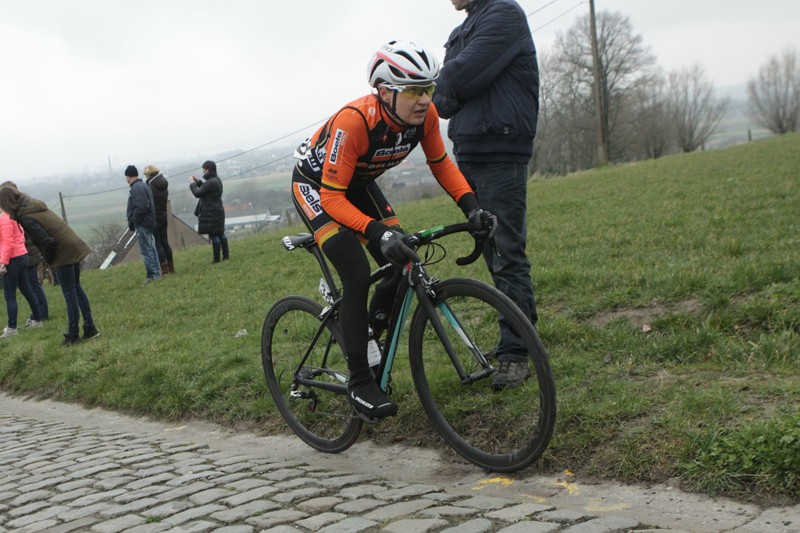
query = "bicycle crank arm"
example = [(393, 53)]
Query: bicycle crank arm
[(332, 387), (477, 376)]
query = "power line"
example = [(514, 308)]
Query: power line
[(541, 8), (256, 148), (218, 161), (559, 16)]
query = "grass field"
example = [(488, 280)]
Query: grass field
[(669, 297)]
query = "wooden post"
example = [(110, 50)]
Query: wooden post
[(63, 211), (599, 93)]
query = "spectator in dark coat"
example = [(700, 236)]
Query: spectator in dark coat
[(209, 211), (160, 188), (489, 89), (62, 249), (142, 219)]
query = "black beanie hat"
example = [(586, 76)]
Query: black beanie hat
[(131, 171), (210, 165)]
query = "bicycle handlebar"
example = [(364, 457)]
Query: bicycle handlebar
[(429, 235)]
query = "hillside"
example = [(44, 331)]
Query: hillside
[(669, 296)]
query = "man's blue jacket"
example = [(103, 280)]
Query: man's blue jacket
[(489, 84)]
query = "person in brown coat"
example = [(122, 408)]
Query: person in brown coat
[(62, 249)]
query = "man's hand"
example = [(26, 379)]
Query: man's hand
[(482, 224), (395, 249)]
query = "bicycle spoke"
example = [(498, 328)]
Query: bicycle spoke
[(501, 430), (306, 370)]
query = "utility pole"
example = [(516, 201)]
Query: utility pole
[(600, 104), (63, 211)]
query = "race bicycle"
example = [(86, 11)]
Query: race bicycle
[(453, 334)]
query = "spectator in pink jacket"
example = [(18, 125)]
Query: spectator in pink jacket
[(13, 265)]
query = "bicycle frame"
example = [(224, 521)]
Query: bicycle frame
[(415, 282)]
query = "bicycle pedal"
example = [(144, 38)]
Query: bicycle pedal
[(367, 419)]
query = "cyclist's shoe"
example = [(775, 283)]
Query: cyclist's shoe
[(369, 400), (510, 373)]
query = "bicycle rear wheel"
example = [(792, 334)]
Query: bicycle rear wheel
[(309, 393), (501, 431)]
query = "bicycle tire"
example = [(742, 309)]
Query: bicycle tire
[(522, 417), (321, 418)]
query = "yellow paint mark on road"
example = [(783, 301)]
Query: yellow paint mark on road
[(537, 499), (496, 481), (569, 483), (595, 506), (572, 488)]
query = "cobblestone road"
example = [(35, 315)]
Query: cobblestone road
[(59, 477)]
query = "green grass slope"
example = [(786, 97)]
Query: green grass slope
[(669, 296)]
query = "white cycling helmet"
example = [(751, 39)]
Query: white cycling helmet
[(400, 63)]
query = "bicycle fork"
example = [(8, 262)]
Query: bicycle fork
[(426, 295)]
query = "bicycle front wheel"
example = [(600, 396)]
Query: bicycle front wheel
[(499, 430), (306, 373)]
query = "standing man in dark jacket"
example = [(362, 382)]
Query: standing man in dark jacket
[(142, 219), (160, 188), (209, 211), (489, 89)]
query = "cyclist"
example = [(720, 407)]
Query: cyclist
[(334, 191)]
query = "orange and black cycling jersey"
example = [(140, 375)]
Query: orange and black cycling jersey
[(361, 142)]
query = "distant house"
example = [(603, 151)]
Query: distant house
[(249, 221), (234, 223)]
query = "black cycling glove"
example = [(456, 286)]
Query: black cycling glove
[(395, 249), (482, 224)]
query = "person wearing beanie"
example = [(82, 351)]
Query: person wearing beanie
[(160, 188), (209, 211), (141, 216)]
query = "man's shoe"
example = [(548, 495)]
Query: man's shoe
[(8, 332), (510, 373), (369, 400), (90, 333), (71, 340), (35, 324)]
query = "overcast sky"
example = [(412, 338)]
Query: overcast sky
[(147, 80)]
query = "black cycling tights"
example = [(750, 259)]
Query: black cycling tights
[(347, 255)]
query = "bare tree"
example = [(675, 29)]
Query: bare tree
[(565, 134), (624, 59), (694, 110), (774, 95), (647, 113), (104, 241)]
